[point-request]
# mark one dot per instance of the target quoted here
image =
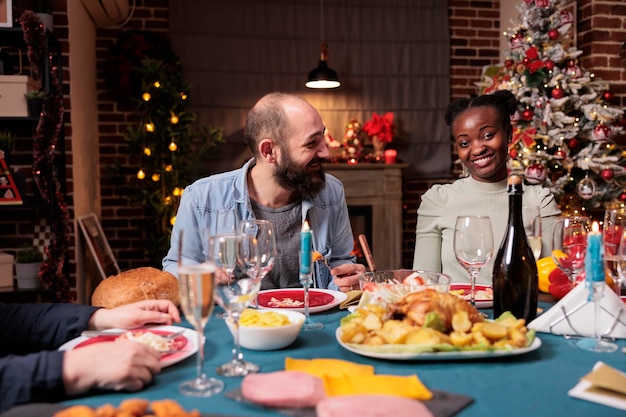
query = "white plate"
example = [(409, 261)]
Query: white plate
[(189, 349), (481, 300), (322, 299), (436, 356)]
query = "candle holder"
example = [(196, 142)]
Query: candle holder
[(309, 324)]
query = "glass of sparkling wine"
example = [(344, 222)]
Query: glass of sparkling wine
[(235, 296), (196, 286), (612, 233), (534, 238)]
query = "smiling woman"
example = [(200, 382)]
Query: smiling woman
[(481, 131)]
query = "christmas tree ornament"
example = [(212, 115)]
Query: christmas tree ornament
[(513, 153), (607, 174), (549, 64), (557, 92), (573, 70), (508, 62), (553, 34), (527, 114), (535, 173), (560, 154), (586, 188), (622, 197), (608, 95), (516, 42), (572, 143), (601, 133), (544, 4)]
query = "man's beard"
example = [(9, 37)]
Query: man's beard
[(307, 184)]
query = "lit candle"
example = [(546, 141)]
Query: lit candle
[(594, 267), (390, 156), (306, 255)]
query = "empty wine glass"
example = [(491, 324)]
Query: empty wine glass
[(235, 296), (263, 230), (612, 231), (473, 246), (569, 244), (196, 286)]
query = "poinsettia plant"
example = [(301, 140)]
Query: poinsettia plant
[(381, 127)]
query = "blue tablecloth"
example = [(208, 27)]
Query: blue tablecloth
[(534, 384)]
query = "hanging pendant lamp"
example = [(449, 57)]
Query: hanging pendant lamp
[(323, 76)]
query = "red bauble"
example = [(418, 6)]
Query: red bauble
[(525, 60), (513, 153), (573, 143), (536, 173), (557, 93), (509, 62), (608, 95), (560, 154), (553, 34), (601, 133), (622, 197), (607, 174), (527, 115), (549, 65)]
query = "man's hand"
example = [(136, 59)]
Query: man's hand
[(347, 276)]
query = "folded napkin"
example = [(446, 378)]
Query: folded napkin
[(353, 299), (580, 315), (345, 378), (604, 385)]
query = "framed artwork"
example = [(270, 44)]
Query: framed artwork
[(6, 13), (567, 16), (98, 245)]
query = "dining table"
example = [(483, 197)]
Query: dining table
[(534, 383)]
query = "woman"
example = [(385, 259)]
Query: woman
[(481, 130)]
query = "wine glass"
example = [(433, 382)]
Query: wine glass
[(535, 235), (473, 246), (235, 296), (263, 230), (196, 286), (612, 231), (569, 244), (621, 265)]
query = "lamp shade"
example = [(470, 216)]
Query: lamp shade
[(323, 77)]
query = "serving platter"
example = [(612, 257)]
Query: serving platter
[(403, 353), (186, 344), (484, 294), (293, 299)]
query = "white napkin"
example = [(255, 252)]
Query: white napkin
[(581, 315), (604, 385)]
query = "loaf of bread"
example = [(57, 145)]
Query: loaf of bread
[(135, 285)]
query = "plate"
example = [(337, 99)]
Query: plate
[(482, 300), (439, 356), (319, 299), (187, 342)]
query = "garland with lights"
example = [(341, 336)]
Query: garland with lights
[(167, 150), (565, 123), (44, 171)]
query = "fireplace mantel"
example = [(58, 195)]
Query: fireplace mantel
[(378, 186)]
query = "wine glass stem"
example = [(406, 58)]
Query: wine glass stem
[(237, 355), (473, 276), (305, 280), (597, 296), (200, 357)]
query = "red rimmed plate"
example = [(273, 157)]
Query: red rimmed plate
[(484, 294), (187, 343), (293, 299)]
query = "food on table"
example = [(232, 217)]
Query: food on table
[(283, 389), (482, 294), (135, 285), (255, 318), (371, 406), (134, 407), (328, 367), (317, 255), (432, 321), (155, 341), (286, 302)]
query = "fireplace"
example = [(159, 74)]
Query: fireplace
[(374, 198)]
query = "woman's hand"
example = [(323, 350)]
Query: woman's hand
[(347, 276), (135, 315)]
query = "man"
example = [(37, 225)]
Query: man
[(283, 183)]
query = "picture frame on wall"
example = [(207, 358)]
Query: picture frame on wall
[(6, 13), (98, 245)]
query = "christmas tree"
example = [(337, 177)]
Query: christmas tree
[(564, 127), (167, 149)]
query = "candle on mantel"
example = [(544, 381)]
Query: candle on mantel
[(306, 255), (594, 266)]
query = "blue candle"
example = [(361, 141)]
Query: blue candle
[(594, 266), (306, 255)]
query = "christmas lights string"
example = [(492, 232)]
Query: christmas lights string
[(44, 172)]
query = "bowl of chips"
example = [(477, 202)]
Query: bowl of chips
[(267, 329)]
